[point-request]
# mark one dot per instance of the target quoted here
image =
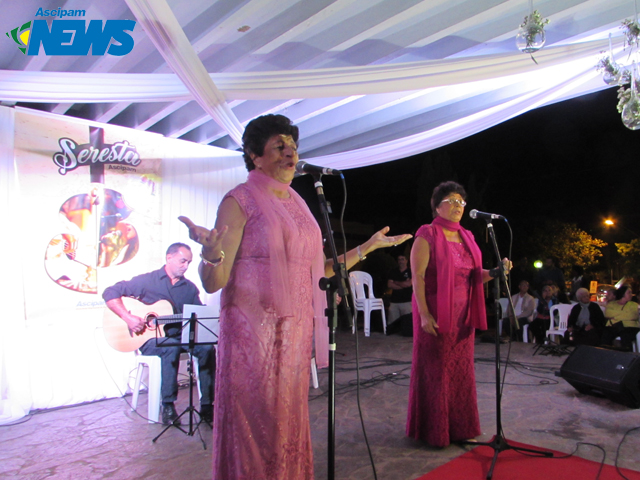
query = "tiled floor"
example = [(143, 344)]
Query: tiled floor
[(106, 440)]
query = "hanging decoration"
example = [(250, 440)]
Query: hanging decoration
[(531, 36), (626, 76), (611, 71), (629, 104)]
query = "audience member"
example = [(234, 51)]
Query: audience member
[(622, 319), (524, 305), (586, 321), (542, 318), (401, 290), (558, 294), (609, 296), (578, 280), (550, 272), (521, 271)]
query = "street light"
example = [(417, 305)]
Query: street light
[(610, 223)]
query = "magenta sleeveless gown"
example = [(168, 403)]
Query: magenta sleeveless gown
[(261, 417), (442, 394)]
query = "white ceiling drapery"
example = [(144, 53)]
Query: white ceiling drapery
[(27, 86), (341, 70), (562, 72), (166, 34)]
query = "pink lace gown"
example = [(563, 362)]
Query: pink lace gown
[(261, 417), (442, 394)]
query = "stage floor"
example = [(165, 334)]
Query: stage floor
[(106, 440)]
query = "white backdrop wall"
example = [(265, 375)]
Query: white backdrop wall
[(59, 356), (194, 187)]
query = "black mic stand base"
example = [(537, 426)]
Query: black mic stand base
[(501, 444)]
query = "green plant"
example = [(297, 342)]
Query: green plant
[(631, 32), (624, 95), (624, 92), (605, 65), (533, 25)]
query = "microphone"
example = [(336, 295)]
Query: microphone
[(303, 167), (487, 216)]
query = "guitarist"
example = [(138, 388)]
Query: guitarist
[(167, 283)]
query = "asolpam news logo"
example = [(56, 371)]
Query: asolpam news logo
[(73, 37), (20, 35)]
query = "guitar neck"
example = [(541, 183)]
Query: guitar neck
[(177, 318)]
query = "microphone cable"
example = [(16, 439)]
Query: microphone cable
[(353, 313)]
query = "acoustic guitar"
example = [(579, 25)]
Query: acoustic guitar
[(116, 330)]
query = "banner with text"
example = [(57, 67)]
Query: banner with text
[(90, 200)]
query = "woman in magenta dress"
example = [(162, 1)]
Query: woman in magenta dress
[(448, 305), (266, 254)]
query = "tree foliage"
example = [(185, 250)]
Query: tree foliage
[(630, 253), (568, 244)]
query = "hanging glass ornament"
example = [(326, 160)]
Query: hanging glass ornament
[(611, 71), (531, 36), (631, 107), (631, 113), (631, 30), (623, 75)]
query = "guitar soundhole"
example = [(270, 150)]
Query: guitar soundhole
[(151, 320)]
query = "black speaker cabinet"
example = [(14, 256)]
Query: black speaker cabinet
[(599, 371)]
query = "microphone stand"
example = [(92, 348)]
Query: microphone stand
[(337, 283), (498, 442)]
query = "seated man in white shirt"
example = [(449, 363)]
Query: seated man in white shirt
[(524, 305)]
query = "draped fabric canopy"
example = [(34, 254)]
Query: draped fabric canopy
[(367, 82)]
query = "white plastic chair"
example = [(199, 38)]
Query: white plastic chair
[(365, 301), (525, 328), (562, 311), (504, 311), (153, 363), (504, 302)]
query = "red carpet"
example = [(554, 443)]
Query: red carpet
[(512, 465)]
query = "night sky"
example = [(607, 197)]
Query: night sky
[(573, 161)]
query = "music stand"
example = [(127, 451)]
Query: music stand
[(551, 348), (193, 326)]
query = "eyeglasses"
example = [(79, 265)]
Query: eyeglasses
[(455, 202)]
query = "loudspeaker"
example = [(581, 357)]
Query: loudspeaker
[(599, 371)]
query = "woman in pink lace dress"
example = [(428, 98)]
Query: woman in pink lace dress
[(266, 254), (448, 305)]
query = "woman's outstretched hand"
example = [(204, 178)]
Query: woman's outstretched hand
[(380, 239), (209, 239)]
